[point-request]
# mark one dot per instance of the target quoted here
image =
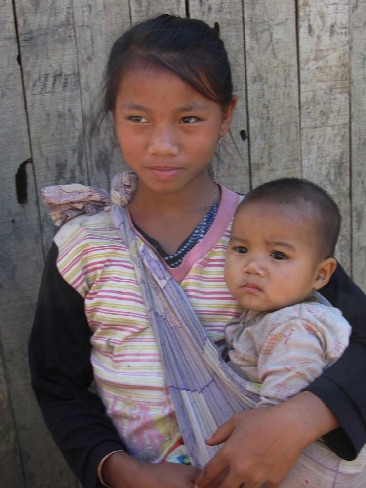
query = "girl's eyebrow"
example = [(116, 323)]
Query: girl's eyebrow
[(134, 106), (192, 106), (184, 108)]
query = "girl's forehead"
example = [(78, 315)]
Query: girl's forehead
[(154, 72), (152, 84), (151, 72), (139, 65)]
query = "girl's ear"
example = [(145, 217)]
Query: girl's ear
[(227, 116), (325, 270)]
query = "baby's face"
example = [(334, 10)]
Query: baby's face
[(271, 261)]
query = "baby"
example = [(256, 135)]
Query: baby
[(280, 253)]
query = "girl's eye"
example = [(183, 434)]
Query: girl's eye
[(240, 249), (190, 119), (278, 255), (139, 119)]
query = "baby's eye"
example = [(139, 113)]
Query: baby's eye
[(278, 255), (139, 119), (240, 249), (190, 119)]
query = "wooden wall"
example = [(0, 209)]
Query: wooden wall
[(299, 70)]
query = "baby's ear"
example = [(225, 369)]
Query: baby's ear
[(325, 270)]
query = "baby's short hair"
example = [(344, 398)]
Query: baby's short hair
[(308, 196)]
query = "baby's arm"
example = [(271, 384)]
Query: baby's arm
[(296, 351)]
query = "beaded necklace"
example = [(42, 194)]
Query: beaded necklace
[(176, 259)]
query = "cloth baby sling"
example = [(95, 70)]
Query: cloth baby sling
[(205, 391)]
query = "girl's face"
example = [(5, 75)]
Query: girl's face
[(167, 131)]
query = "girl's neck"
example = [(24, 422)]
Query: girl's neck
[(171, 218), (198, 198)]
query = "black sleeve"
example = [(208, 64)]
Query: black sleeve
[(342, 387), (59, 356)]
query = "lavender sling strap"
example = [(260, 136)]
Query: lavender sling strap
[(205, 391)]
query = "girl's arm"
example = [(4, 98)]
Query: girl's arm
[(261, 445), (342, 387), (59, 356)]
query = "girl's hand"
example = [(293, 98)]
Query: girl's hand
[(262, 445), (123, 471)]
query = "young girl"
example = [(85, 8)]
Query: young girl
[(118, 286)]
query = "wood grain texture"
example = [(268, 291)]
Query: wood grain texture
[(358, 138), (232, 162), (52, 90), (272, 86), (19, 233), (10, 460), (97, 26), (23, 257), (144, 9), (324, 67), (21, 262)]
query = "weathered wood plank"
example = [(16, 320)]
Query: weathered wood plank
[(46, 79), (233, 163), (21, 260), (52, 87), (10, 461), (324, 73), (272, 87), (20, 257), (97, 26), (144, 9), (358, 131)]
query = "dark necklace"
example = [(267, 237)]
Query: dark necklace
[(176, 259)]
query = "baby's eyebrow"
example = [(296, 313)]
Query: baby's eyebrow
[(236, 238), (284, 244)]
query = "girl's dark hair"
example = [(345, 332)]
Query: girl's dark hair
[(311, 199), (189, 48)]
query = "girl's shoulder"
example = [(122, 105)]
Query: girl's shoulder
[(87, 245), (86, 227)]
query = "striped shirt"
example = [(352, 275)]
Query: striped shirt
[(126, 363)]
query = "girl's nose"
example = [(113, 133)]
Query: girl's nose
[(164, 142)]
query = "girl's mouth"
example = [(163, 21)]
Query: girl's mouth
[(164, 173)]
